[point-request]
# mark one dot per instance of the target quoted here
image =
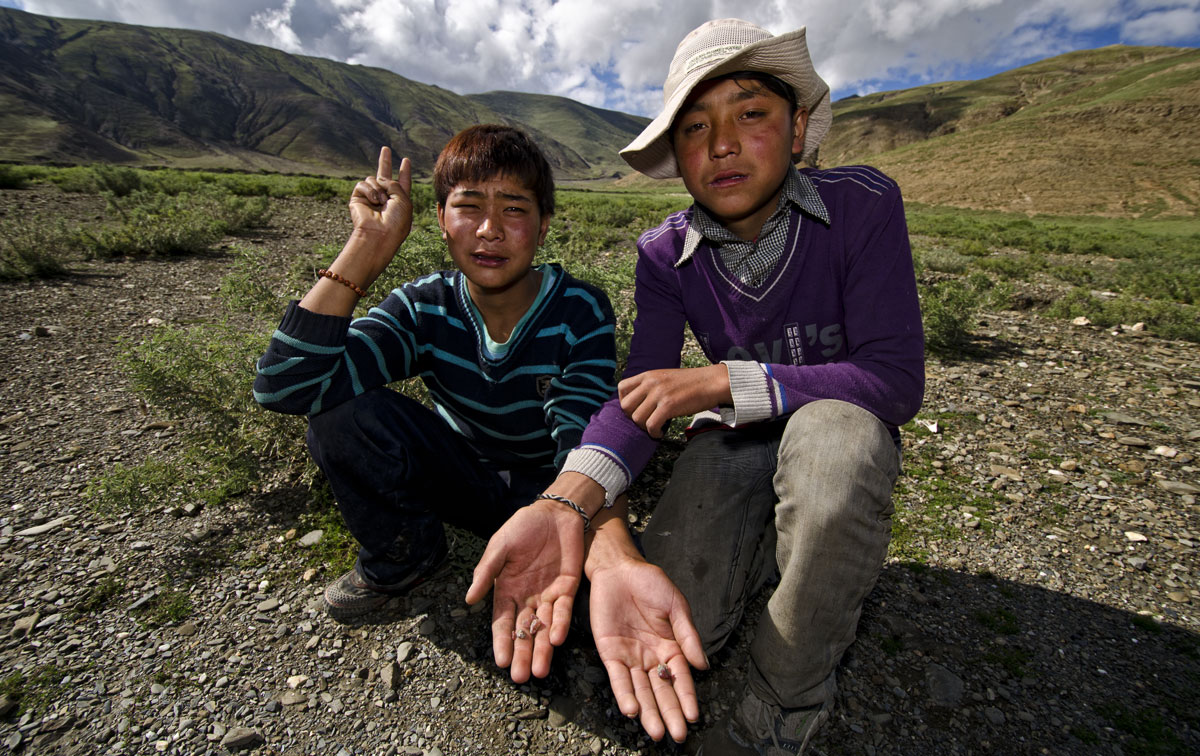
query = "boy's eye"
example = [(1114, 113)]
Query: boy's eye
[(750, 114), (692, 128)]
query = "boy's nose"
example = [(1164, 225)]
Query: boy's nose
[(723, 140), (489, 228)]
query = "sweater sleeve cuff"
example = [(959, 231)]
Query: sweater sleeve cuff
[(751, 390), (598, 464), (313, 327)]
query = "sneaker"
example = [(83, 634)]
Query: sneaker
[(349, 596), (758, 728)]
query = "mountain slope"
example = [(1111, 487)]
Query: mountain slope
[(1109, 131), (79, 91)]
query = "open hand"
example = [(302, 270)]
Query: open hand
[(535, 561), (644, 634)]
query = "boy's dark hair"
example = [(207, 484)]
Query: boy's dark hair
[(482, 152)]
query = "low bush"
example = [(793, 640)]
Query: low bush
[(34, 249), (160, 224), (948, 310)]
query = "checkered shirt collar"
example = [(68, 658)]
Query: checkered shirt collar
[(798, 190)]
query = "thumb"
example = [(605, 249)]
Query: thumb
[(485, 573), (687, 637)]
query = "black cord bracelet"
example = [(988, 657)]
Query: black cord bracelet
[(587, 521)]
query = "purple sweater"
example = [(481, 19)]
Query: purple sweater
[(837, 318)]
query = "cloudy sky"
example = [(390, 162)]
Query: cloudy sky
[(615, 54)]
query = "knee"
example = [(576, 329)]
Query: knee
[(346, 430), (837, 437)]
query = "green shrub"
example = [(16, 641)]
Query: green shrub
[(33, 249), (161, 224), (321, 189), (948, 310), (1166, 319), (245, 287), (19, 176), (74, 180), (116, 180)]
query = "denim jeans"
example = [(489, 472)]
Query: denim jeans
[(399, 472), (808, 497)]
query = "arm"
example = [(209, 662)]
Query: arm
[(586, 380), (317, 358)]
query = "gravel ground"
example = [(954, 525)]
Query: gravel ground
[(1042, 598)]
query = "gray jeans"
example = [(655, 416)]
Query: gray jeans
[(810, 496)]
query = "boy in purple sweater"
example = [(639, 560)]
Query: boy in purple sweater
[(799, 287)]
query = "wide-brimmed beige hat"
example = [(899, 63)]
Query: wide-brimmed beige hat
[(722, 47)]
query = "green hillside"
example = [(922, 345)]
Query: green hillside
[(82, 91), (1109, 131)]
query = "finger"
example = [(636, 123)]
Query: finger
[(503, 624), (405, 176), (669, 710), (657, 422), (543, 648), (384, 171), (560, 621), (684, 690), (651, 720), (522, 649), (622, 687)]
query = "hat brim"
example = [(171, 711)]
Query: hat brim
[(784, 56)]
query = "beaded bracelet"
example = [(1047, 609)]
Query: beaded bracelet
[(587, 521), (343, 281)]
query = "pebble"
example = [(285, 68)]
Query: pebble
[(945, 687), (45, 527), (242, 738), (403, 651), (311, 538)]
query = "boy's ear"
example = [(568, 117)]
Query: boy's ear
[(799, 125), (441, 215), (545, 227)]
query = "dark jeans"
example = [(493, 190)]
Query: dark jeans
[(399, 472)]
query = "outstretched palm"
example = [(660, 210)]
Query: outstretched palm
[(643, 631), (535, 561)]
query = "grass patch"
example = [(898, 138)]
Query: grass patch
[(1149, 734), (35, 691), (1011, 660), (999, 620), (167, 607), (100, 594)]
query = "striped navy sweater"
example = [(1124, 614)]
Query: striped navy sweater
[(522, 404)]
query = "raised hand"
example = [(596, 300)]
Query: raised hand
[(382, 211), (653, 398), (534, 561), (644, 633)]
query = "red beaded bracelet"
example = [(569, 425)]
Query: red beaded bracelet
[(343, 281)]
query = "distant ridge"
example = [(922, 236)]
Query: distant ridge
[(1112, 131), (83, 91)]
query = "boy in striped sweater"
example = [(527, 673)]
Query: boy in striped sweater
[(516, 358)]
